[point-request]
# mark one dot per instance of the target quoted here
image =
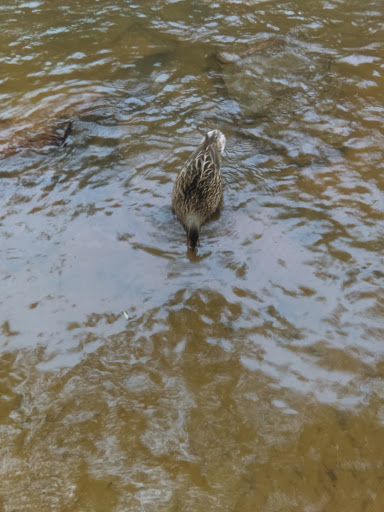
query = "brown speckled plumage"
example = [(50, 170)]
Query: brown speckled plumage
[(199, 187)]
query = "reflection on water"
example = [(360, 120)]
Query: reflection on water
[(249, 375)]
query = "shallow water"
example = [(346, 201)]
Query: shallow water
[(249, 376)]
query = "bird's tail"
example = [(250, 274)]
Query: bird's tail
[(192, 225)]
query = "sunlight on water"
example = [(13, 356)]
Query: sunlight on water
[(136, 374)]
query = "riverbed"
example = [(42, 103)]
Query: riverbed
[(136, 374)]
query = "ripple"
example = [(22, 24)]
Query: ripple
[(357, 60), (257, 352)]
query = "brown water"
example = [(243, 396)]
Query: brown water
[(249, 376)]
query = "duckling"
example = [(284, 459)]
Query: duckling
[(199, 186)]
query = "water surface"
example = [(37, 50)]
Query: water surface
[(249, 375)]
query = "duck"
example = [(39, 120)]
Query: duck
[(198, 189)]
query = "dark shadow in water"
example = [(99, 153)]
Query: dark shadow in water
[(195, 257)]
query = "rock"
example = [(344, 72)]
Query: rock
[(256, 46), (40, 140), (45, 124), (272, 73)]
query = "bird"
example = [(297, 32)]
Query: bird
[(198, 189)]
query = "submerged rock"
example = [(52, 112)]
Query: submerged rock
[(38, 141), (45, 123), (251, 48), (272, 72)]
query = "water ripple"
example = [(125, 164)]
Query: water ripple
[(139, 373)]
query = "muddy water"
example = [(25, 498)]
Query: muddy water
[(249, 376)]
